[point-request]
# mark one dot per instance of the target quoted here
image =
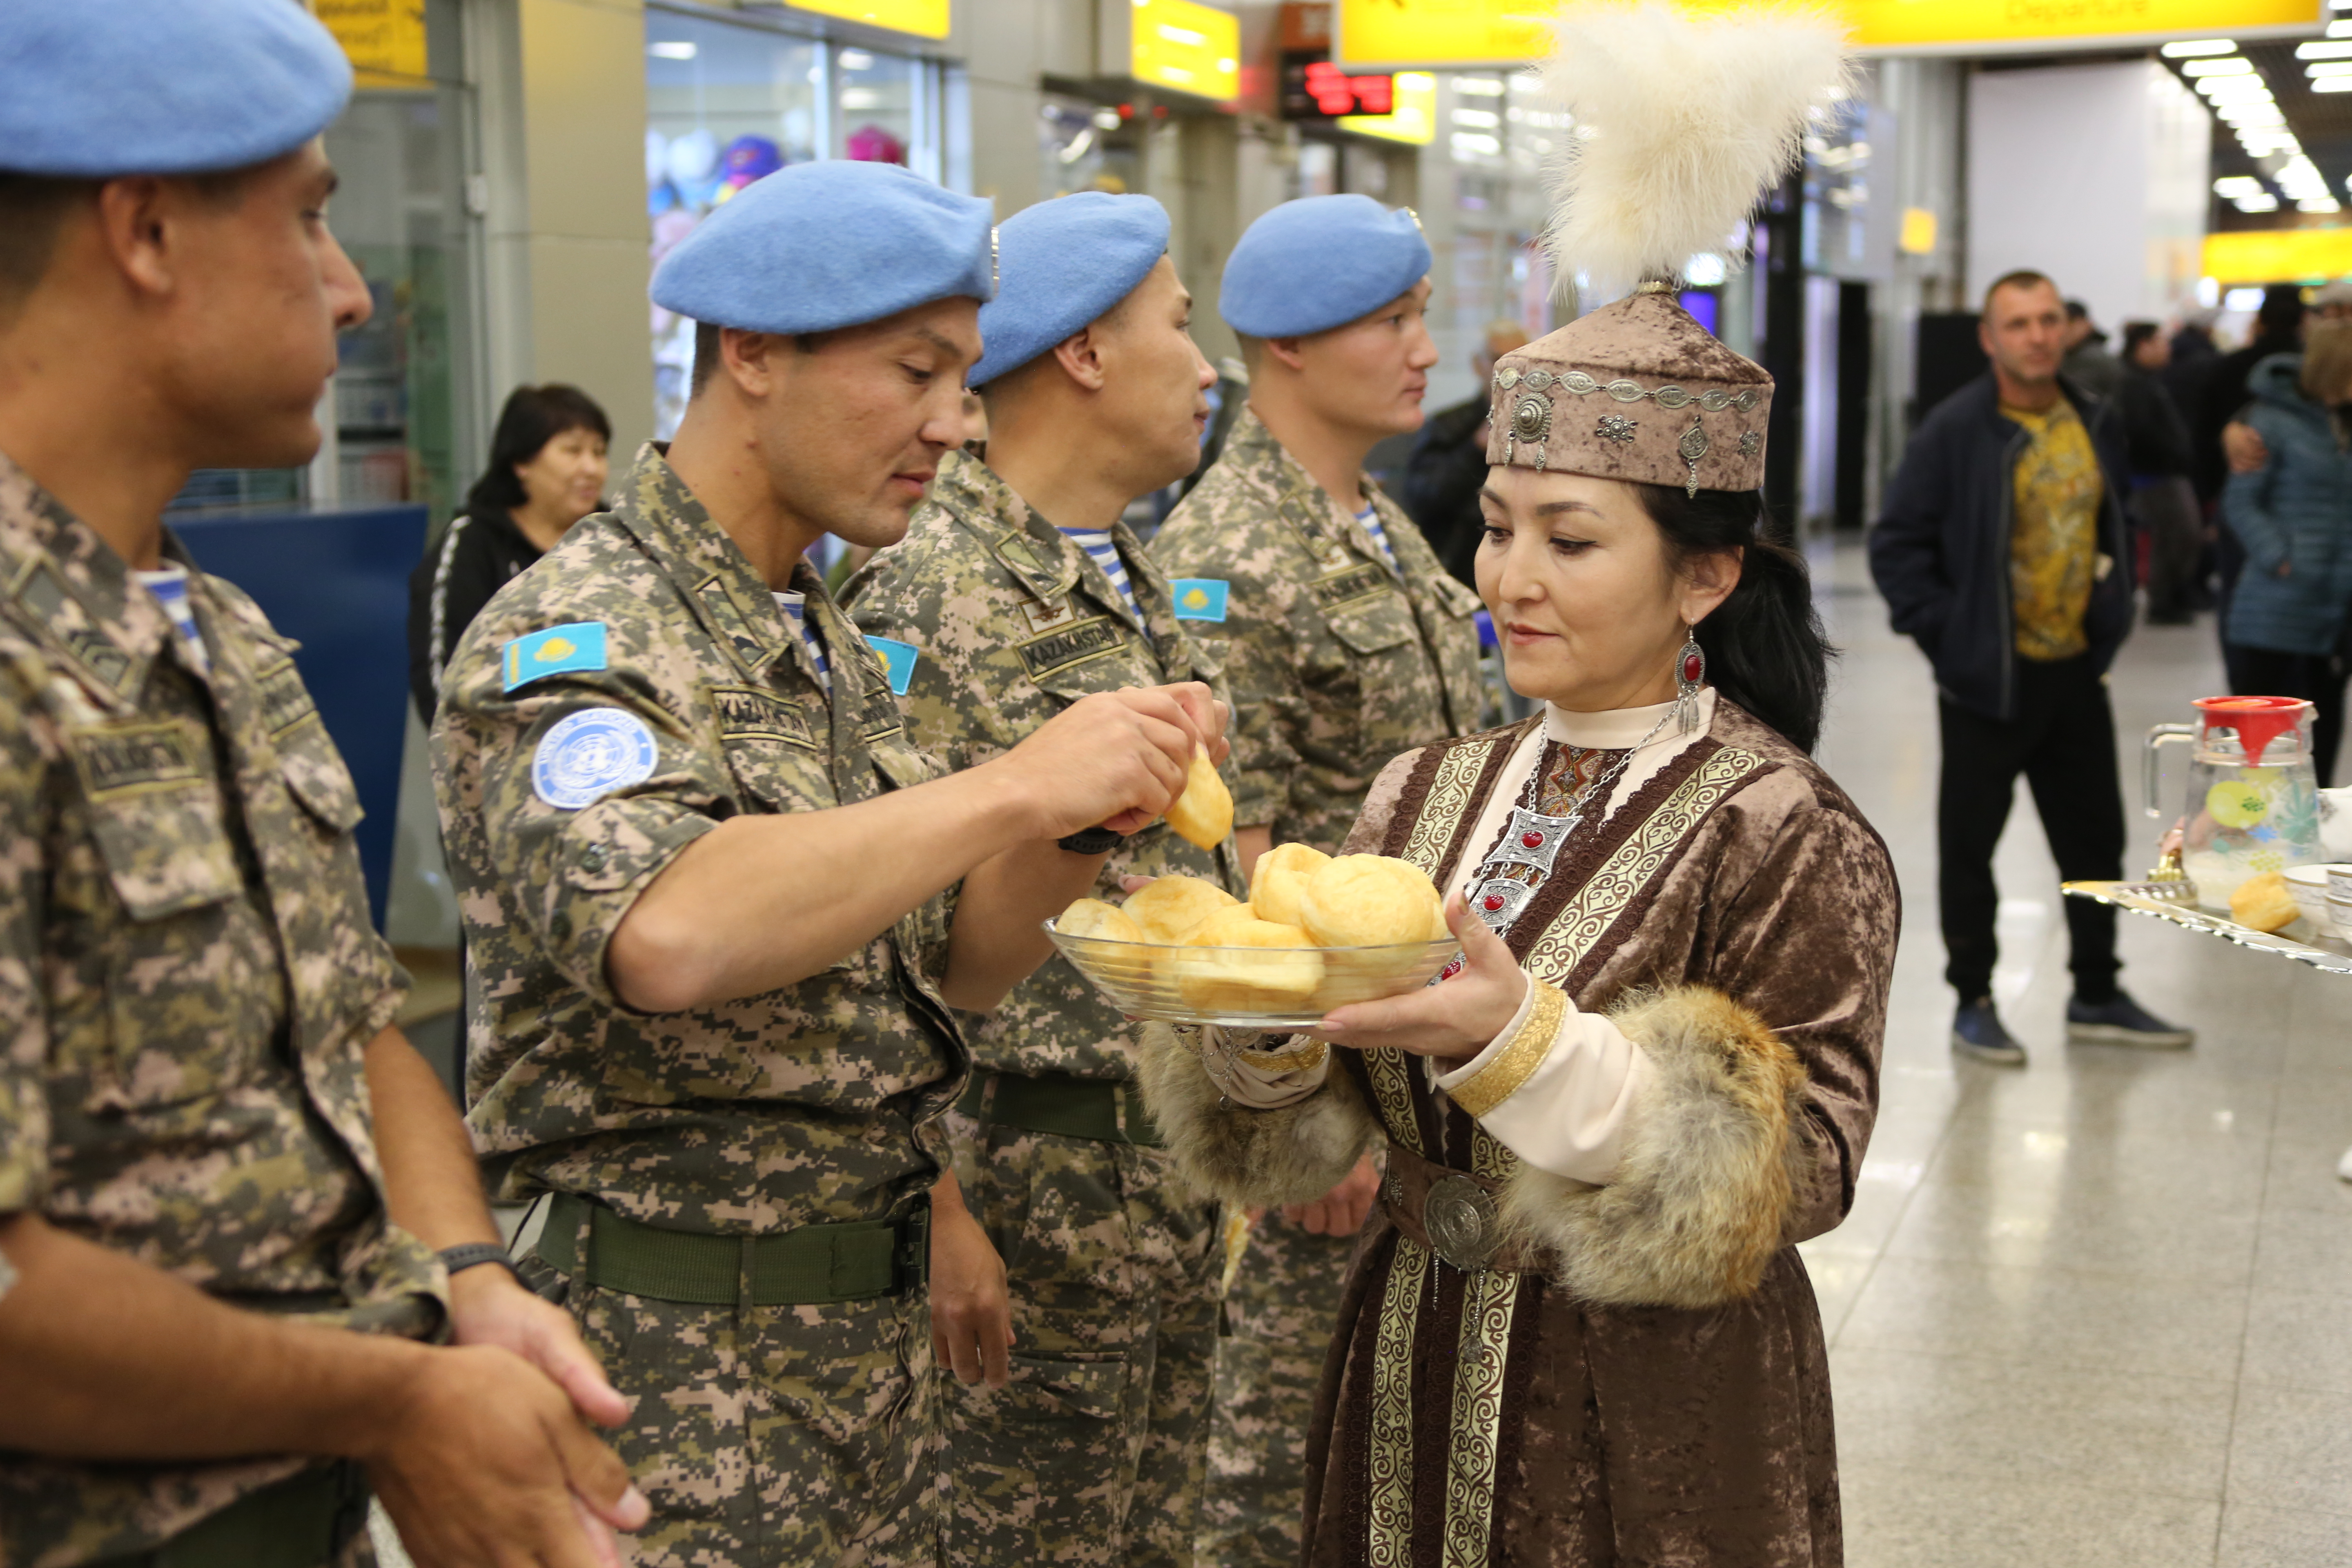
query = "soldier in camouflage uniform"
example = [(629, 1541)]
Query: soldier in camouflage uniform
[(223, 1171), (1345, 643), (1093, 1453), (721, 907)]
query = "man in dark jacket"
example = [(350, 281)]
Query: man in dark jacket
[(1448, 466), (2004, 551)]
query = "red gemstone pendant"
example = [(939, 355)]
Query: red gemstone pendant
[(1532, 840), (1693, 666), (1493, 902)]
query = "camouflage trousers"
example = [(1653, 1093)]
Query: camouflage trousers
[(800, 1436), (1093, 1453), (1280, 1314)]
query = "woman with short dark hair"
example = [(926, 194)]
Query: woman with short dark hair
[(547, 471)]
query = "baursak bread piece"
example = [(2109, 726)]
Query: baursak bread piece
[(1279, 877), (2265, 903), (1203, 813), (1278, 974), (1171, 906), (1371, 901), (1092, 918)]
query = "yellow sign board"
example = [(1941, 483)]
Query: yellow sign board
[(1193, 49), (382, 38), (2278, 256), (1918, 236), (1381, 33), (1415, 116), (924, 18)]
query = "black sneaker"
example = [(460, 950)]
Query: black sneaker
[(2124, 1022), (1977, 1032)]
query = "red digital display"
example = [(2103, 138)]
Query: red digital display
[(1317, 89)]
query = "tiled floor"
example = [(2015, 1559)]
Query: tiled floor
[(2097, 1311)]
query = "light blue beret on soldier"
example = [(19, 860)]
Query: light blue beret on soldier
[(1320, 262), (816, 247), (95, 91), (1064, 263)]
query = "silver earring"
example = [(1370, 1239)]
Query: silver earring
[(1690, 677)]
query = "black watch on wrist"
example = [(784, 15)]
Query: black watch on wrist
[(456, 1260), (1093, 841)]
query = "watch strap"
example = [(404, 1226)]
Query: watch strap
[(1093, 841), (472, 1254)]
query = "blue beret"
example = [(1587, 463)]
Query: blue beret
[(1320, 262), (161, 86), (1064, 262), (819, 245)]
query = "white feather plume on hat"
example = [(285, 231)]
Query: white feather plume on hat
[(1679, 122)]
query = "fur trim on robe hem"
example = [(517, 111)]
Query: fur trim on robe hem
[(1711, 1173), (1257, 1159)]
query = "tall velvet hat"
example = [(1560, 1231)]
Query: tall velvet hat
[(1676, 124)]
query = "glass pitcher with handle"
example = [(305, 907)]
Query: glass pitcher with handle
[(2253, 794)]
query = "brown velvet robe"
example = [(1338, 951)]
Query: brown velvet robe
[(1650, 1385)]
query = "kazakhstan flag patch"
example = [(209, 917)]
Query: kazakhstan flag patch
[(558, 650), (1200, 598)]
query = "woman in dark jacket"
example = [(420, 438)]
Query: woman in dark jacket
[(2285, 632), (547, 471)]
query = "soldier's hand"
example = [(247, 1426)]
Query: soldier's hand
[(1113, 758), (1340, 1211), (489, 1307), (971, 1307), (483, 1464)]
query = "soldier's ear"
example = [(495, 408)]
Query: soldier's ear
[(1081, 358), (748, 359), (1286, 352)]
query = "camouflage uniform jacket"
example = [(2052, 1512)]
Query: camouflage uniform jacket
[(1337, 663), (803, 1105), (188, 984), (1011, 621)]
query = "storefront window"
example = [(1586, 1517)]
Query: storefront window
[(728, 101), (1086, 146)]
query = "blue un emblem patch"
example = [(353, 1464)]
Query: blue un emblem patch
[(587, 755)]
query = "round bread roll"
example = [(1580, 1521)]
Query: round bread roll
[(1279, 877), (1239, 963), (1203, 813), (1370, 900), (1092, 918), (1171, 906), (2265, 903)]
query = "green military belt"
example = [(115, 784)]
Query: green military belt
[(808, 1267), (300, 1523), (1067, 1107)]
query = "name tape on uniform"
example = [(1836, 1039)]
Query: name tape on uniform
[(558, 651), (1200, 598), (897, 661), (585, 756)]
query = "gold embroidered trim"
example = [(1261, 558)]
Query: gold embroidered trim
[(1599, 903), (1299, 1058), (1489, 1301), (1441, 812), (1515, 1062), (1390, 1535)]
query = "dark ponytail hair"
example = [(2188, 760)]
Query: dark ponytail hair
[(1764, 644), (533, 417)]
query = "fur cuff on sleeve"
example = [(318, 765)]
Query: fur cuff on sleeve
[(1711, 1173), (1251, 1157)]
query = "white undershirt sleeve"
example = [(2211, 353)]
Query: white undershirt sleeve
[(1556, 1097)]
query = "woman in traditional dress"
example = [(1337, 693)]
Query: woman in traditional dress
[(1577, 1331)]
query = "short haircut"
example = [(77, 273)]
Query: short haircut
[(533, 417), (2282, 309), (2022, 278), (33, 213), (2077, 311), (2327, 361), (707, 354), (2136, 333)]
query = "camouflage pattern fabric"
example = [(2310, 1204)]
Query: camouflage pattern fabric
[(188, 984), (813, 1103), (1280, 1312), (1093, 1453), (803, 1105), (1337, 663), (1010, 622)]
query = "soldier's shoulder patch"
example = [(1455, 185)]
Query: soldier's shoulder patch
[(897, 660), (1200, 598), (586, 755), (573, 647)]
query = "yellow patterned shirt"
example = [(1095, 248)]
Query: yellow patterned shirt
[(2054, 537)]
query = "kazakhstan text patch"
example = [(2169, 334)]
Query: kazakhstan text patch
[(897, 661), (1200, 598), (574, 646), (587, 755)]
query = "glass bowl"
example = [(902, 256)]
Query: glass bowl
[(1248, 987)]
